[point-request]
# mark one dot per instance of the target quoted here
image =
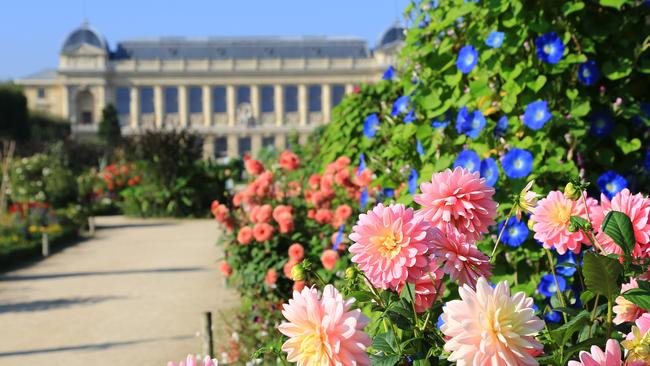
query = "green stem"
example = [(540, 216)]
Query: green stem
[(593, 315), (560, 296), (415, 313), (505, 224), (609, 317)]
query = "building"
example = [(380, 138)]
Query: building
[(240, 94)]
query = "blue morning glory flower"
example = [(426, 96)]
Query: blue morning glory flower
[(547, 286), (389, 74), (413, 181), (553, 316), (567, 257), (502, 126), (362, 163), (467, 59), (549, 48), (515, 233), (364, 198), (371, 125), (469, 160), (339, 238), (440, 322), (495, 39), (471, 124), (410, 117), (489, 171), (388, 192), (419, 148), (442, 121), (588, 73), (517, 163), (536, 114), (400, 106), (610, 183), (602, 123)]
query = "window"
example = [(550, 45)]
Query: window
[(196, 99), (86, 117), (171, 99), (41, 93), (243, 95), (219, 99), (123, 100), (290, 98), (314, 95), (338, 92), (244, 146), (268, 99), (221, 147), (268, 141), (146, 100)]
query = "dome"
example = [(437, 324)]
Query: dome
[(83, 35), (394, 34)]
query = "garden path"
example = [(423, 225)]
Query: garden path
[(132, 295)]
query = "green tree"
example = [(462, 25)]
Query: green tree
[(13, 113), (109, 127)]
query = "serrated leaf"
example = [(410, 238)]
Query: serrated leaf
[(601, 274), (385, 342), (618, 226), (640, 297), (383, 360), (562, 334)]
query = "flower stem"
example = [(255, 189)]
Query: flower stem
[(609, 317), (505, 224), (415, 313), (593, 315), (560, 296)]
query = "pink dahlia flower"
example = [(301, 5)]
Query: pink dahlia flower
[(391, 244), (459, 257), (490, 327), (324, 331), (637, 342), (611, 356), (552, 218), (625, 310), (192, 361), (428, 287), (460, 198)]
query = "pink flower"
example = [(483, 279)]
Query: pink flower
[(552, 218), (261, 213), (245, 235), (191, 361), (324, 216), (289, 160), (611, 356), (288, 267), (271, 277), (283, 215), (490, 327), (637, 207), (324, 331), (343, 212), (625, 310), (428, 287), (391, 244), (226, 269), (329, 259), (314, 181), (262, 232), (637, 342), (296, 252), (460, 198), (459, 257)]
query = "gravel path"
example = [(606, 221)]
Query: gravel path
[(132, 295)]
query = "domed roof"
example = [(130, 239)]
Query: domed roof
[(394, 34), (83, 35)]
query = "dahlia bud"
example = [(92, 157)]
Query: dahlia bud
[(350, 274), (298, 272), (571, 192)]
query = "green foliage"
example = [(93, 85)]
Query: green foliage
[(602, 275), (41, 178), (639, 296), (619, 227), (13, 113), (110, 131)]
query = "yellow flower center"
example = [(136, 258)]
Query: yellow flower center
[(639, 347), (313, 350), (561, 214), (387, 244)]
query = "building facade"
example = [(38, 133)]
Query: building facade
[(240, 94)]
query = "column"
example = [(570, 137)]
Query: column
[(159, 105), (65, 96), (208, 147), (207, 109), (256, 144), (233, 145), (302, 104), (101, 102), (281, 141), (135, 107), (183, 115), (278, 101), (326, 98), (255, 102), (230, 108)]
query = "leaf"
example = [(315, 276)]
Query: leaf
[(601, 274), (537, 84), (569, 7), (383, 360), (638, 296), (562, 334), (619, 227), (628, 146), (612, 3), (617, 71), (385, 342), (580, 110)]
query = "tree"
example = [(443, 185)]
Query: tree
[(109, 127), (13, 114)]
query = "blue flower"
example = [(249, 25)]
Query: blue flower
[(502, 126), (440, 322), (471, 124), (388, 192), (389, 74), (536, 114), (339, 238), (371, 125), (469, 160), (515, 233), (567, 271), (410, 117), (364, 198), (489, 171), (588, 73), (549, 48), (442, 121), (553, 316), (610, 183), (413, 181), (517, 163), (362, 163), (467, 59), (547, 286), (602, 123), (419, 148), (495, 39), (400, 106)]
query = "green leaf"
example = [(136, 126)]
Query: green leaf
[(619, 227), (638, 296), (385, 342), (383, 360), (537, 84), (628, 146), (617, 71), (580, 110), (612, 3), (601, 274), (569, 7), (562, 334)]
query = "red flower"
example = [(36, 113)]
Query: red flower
[(289, 160), (296, 252), (271, 277), (324, 216), (226, 269), (254, 167), (245, 235), (329, 259), (262, 232)]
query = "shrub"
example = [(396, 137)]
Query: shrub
[(41, 178)]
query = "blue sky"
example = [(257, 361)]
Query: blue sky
[(31, 31)]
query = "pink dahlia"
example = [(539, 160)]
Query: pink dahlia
[(552, 218), (428, 288), (625, 310), (459, 257), (637, 342), (611, 356), (490, 327), (191, 360), (460, 198), (391, 243), (324, 331)]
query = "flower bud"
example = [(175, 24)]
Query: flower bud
[(350, 274), (298, 272), (571, 192), (531, 224)]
